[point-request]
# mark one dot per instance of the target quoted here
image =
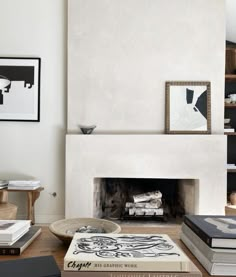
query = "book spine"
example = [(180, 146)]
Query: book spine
[(203, 247), (197, 253), (75, 265), (129, 274), (9, 251), (197, 230)]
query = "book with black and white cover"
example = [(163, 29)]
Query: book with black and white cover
[(193, 272), (215, 255), (124, 252), (11, 230), (215, 230), (39, 266), (21, 244), (213, 268)]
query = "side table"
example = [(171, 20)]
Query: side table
[(32, 196)]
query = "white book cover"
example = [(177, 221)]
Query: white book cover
[(9, 243), (24, 182), (21, 187), (12, 229), (124, 252)]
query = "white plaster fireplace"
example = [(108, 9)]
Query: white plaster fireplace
[(198, 157)]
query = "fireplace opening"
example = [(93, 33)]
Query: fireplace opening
[(143, 198)]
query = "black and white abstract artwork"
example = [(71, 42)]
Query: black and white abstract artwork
[(20, 89), (188, 107), (125, 246)]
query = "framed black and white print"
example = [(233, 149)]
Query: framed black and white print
[(188, 107), (19, 89)]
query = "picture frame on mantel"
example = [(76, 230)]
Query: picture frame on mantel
[(188, 107), (20, 89)]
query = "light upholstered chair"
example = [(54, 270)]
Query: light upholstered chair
[(7, 210)]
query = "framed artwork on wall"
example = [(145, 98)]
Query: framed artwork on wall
[(188, 107), (20, 89)]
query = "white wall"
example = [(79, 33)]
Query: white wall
[(231, 20), (36, 150), (121, 53), (38, 28)]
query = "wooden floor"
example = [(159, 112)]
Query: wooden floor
[(48, 244)]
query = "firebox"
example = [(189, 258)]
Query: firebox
[(143, 198)]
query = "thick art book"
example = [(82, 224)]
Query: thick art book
[(213, 268), (215, 255), (216, 231), (12, 230), (124, 252)]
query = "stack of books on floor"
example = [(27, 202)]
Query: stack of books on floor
[(116, 255), (16, 236), (24, 184), (212, 240)]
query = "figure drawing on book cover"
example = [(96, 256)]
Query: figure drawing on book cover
[(124, 252), (123, 246)]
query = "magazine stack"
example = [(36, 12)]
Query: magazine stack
[(16, 235), (212, 240), (24, 184), (113, 255)]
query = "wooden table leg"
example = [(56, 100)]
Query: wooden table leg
[(3, 196), (32, 197)]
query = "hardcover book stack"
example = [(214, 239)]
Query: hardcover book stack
[(113, 255), (212, 239), (24, 184), (16, 236)]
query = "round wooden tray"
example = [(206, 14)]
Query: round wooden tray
[(64, 229)]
